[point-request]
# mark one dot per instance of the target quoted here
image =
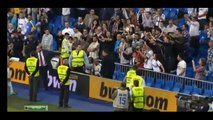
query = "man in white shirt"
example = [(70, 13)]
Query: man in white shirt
[(47, 41), (171, 28), (159, 17), (194, 33), (65, 15), (181, 67), (76, 33), (22, 23), (67, 29), (202, 13), (93, 48)]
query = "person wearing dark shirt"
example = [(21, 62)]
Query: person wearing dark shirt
[(18, 43), (29, 45), (31, 68), (63, 73), (108, 65)]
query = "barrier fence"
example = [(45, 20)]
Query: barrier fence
[(168, 77)]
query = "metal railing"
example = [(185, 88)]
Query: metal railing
[(168, 77)]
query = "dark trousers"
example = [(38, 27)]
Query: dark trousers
[(43, 74), (64, 95), (194, 43), (78, 69), (34, 86), (202, 23)]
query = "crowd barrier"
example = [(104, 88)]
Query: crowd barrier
[(168, 77), (99, 88)]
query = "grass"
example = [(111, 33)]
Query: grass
[(15, 104)]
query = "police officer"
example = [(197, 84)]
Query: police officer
[(31, 68), (137, 96), (63, 73), (130, 74), (121, 98), (78, 59), (65, 48)]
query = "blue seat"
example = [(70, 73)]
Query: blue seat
[(189, 72), (159, 84), (54, 45), (169, 85), (208, 93), (120, 75), (210, 77), (114, 75), (197, 90), (188, 89), (177, 87), (149, 81)]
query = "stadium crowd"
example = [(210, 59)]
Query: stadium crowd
[(159, 39)]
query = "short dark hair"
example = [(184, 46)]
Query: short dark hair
[(181, 55), (186, 25), (136, 83), (123, 84), (33, 54), (179, 30)]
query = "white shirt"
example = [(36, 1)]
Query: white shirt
[(156, 65), (78, 34), (97, 69), (68, 30), (181, 64), (193, 28), (171, 29), (65, 11), (8, 73), (94, 54), (22, 23), (202, 11)]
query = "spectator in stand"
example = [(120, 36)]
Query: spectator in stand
[(81, 12), (93, 27), (42, 25), (148, 58), (210, 56), (80, 24), (29, 45), (86, 37), (89, 67), (133, 18), (126, 54), (138, 58), (181, 67), (97, 68), (22, 23), (59, 39), (93, 48), (140, 17), (89, 18), (108, 64), (156, 64), (200, 70), (31, 25), (159, 17), (67, 29), (162, 27), (65, 15), (202, 17), (104, 29), (116, 48), (76, 33), (12, 18), (117, 25), (194, 33), (47, 41), (106, 43), (171, 28), (10, 29), (148, 21)]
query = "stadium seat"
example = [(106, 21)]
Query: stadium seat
[(54, 44), (121, 76), (115, 75), (208, 93), (189, 72), (149, 81), (177, 87), (169, 85), (159, 84), (197, 90), (187, 89), (210, 77)]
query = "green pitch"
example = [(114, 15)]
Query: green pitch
[(15, 104)]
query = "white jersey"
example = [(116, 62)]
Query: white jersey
[(121, 100)]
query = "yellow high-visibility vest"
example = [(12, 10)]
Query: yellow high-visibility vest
[(31, 64)]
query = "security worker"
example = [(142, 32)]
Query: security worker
[(78, 59), (65, 48), (137, 96), (31, 68), (63, 73), (139, 78), (130, 74), (121, 98)]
